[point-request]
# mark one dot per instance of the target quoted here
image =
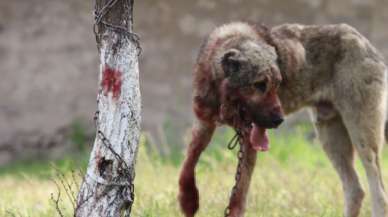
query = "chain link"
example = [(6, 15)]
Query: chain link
[(234, 141), (237, 139)]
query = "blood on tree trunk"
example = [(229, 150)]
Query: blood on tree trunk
[(107, 188)]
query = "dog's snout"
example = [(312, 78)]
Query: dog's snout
[(270, 122), (277, 121)]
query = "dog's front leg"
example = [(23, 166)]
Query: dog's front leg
[(188, 192), (237, 201)]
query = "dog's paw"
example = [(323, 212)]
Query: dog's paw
[(188, 196)]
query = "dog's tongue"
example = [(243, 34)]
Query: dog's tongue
[(258, 138)]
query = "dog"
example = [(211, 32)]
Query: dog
[(249, 77)]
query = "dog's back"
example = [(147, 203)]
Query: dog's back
[(312, 59)]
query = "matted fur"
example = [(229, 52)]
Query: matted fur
[(331, 69)]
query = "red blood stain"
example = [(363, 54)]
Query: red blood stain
[(111, 82), (272, 101)]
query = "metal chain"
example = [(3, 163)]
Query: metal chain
[(128, 176), (106, 141), (98, 20), (234, 141), (237, 139)]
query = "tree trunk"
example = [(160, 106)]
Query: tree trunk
[(107, 188)]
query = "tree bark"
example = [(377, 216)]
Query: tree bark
[(107, 188)]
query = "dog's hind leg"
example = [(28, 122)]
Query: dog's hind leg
[(188, 192), (363, 107), (367, 133), (337, 145), (237, 201)]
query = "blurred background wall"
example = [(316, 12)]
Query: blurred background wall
[(49, 65)]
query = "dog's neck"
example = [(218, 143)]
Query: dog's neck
[(291, 53)]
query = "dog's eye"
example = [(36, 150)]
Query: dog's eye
[(261, 86), (234, 65)]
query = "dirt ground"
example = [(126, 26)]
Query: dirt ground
[(49, 65)]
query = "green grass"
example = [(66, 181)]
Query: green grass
[(293, 179)]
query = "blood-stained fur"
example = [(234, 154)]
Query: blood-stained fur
[(248, 76)]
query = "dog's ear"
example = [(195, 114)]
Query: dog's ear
[(231, 61)]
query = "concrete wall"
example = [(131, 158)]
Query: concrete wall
[(49, 68)]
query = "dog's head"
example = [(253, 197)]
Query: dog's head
[(251, 80)]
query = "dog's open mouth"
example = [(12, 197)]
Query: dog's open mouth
[(258, 138)]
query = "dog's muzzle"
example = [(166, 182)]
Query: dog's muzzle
[(277, 121), (269, 122)]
